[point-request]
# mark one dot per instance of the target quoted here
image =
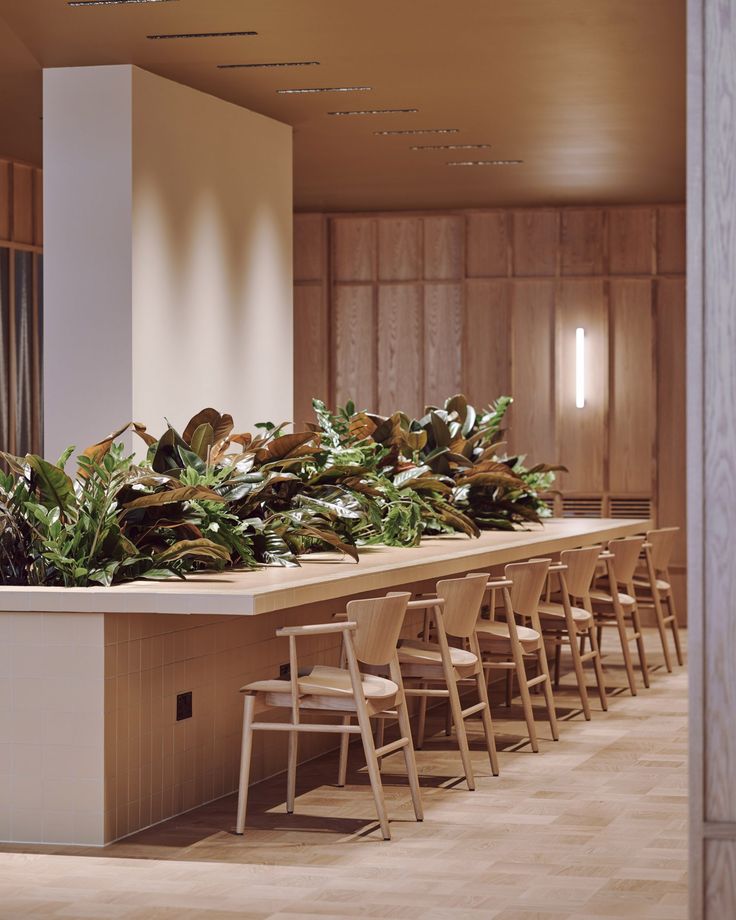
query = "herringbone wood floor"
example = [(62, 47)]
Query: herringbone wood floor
[(595, 826)]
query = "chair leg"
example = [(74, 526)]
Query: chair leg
[(580, 677), (657, 601), (558, 659), (675, 627), (422, 719), (487, 721), (600, 680), (246, 749), (448, 720), (342, 771), (374, 773), (380, 735), (643, 663), (410, 760), (509, 687), (526, 699), (546, 686), (624, 640), (460, 732), (291, 772)]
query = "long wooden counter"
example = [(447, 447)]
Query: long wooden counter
[(89, 678), (321, 577)]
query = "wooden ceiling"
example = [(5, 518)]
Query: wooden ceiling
[(590, 94)]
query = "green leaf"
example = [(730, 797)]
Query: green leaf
[(202, 440), (172, 496), (55, 487)]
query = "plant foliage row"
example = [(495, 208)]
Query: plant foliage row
[(209, 497)]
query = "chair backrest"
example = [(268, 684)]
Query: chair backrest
[(528, 579), (625, 554), (379, 621), (463, 598), (663, 542), (581, 565)]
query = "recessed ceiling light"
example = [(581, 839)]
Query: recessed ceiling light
[(419, 131), (451, 147), (199, 35), (326, 89), (112, 2), (272, 64), (485, 162), (377, 112)]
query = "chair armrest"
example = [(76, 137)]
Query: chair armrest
[(319, 629), (500, 583), (646, 546), (558, 567), (606, 554), (424, 603)]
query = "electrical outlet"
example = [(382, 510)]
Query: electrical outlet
[(184, 706), (285, 672)]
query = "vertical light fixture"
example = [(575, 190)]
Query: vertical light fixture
[(580, 367)]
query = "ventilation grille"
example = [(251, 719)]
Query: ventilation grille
[(631, 507), (588, 507)]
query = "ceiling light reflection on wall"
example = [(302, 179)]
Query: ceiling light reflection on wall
[(270, 64), (485, 162), (450, 147), (326, 89), (417, 131), (580, 367), (198, 35), (377, 112), (113, 2)]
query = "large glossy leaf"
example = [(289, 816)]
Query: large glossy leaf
[(201, 550), (55, 487), (280, 448), (173, 496), (222, 425), (202, 440)]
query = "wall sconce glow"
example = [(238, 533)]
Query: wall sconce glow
[(580, 367)]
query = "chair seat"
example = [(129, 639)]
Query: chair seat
[(662, 586), (425, 659), (327, 688), (495, 636), (554, 614), (603, 597)]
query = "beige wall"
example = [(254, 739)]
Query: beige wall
[(212, 257), (168, 256)]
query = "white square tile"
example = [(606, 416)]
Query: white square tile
[(26, 629), (26, 825), (58, 827), (28, 727), (89, 828), (28, 761)]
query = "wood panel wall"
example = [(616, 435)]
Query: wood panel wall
[(401, 310), (21, 238)]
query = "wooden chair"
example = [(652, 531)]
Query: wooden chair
[(506, 645), (654, 587), (455, 612), (614, 607), (571, 618), (370, 635)]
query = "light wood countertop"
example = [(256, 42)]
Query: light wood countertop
[(321, 577)]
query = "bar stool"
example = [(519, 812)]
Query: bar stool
[(613, 607), (654, 587), (571, 618), (506, 645), (455, 612), (370, 635)]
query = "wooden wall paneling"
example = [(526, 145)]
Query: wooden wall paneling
[(5, 190), (22, 207), (444, 239), (671, 240), (400, 335), (488, 244), (582, 241), (354, 248), (633, 395), (486, 356), (311, 350), (533, 385), (399, 249), (631, 241), (671, 419), (443, 342), (535, 242), (38, 207), (354, 355), (582, 432), (310, 247)]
